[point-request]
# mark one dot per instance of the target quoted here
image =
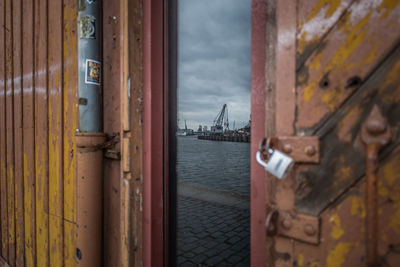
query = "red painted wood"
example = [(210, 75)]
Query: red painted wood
[(153, 133), (257, 184)]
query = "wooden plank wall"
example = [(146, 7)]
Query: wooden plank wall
[(38, 118)]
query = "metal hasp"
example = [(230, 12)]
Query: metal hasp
[(290, 223), (90, 65), (375, 133), (303, 149)]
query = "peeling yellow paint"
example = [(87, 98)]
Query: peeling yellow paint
[(316, 63), (337, 230), (382, 190), (28, 214), (391, 171), (337, 256), (356, 35), (314, 264), (331, 4), (387, 6), (394, 222), (357, 206), (300, 260), (392, 79)]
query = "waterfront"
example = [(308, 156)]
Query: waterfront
[(213, 203)]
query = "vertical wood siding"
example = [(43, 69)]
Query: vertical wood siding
[(38, 118)]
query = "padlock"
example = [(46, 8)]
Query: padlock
[(278, 164)]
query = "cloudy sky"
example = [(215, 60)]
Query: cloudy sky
[(213, 61)]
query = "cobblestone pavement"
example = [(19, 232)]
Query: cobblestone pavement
[(211, 233)]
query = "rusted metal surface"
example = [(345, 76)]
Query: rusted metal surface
[(257, 184), (343, 161), (37, 125), (116, 186), (375, 133), (304, 149), (348, 58), (298, 226), (89, 198)]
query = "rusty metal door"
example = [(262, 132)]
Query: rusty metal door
[(332, 101)]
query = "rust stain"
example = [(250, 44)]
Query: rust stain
[(382, 189), (346, 125), (337, 256), (337, 230), (357, 207), (392, 78), (387, 6)]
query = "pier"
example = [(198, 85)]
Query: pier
[(226, 138)]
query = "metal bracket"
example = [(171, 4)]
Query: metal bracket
[(299, 226), (303, 149)]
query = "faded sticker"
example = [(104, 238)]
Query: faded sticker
[(87, 27), (93, 71)]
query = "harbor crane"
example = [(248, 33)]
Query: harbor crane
[(221, 121)]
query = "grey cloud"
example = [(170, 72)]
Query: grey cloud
[(213, 60)]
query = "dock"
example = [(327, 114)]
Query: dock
[(226, 138)]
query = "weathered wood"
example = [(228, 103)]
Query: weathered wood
[(18, 140), (70, 124), (56, 134), (349, 54), (343, 162), (315, 19), (9, 131), (29, 132), (41, 134), (136, 86), (3, 155)]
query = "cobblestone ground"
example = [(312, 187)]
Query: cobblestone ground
[(212, 234)]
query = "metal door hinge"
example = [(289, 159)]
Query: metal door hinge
[(303, 149), (294, 225)]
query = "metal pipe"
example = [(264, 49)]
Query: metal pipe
[(89, 62), (371, 204)]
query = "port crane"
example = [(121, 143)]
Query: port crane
[(221, 121)]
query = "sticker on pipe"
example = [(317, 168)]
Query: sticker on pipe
[(87, 27), (92, 72)]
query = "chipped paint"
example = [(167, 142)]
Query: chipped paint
[(387, 7), (337, 230), (323, 15), (300, 260), (337, 256), (357, 207), (355, 37)]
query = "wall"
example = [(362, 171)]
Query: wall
[(38, 118)]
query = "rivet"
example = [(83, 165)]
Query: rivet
[(287, 148), (287, 224), (376, 127), (309, 230), (310, 150)]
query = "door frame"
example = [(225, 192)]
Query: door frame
[(155, 132)]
